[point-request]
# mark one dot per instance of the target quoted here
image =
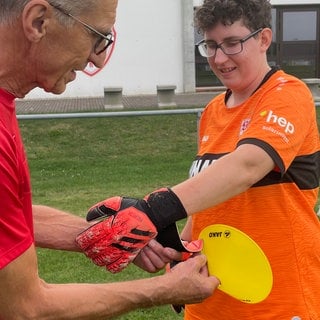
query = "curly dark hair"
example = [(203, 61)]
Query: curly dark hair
[(254, 14)]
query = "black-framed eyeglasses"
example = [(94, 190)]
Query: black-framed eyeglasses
[(208, 48), (104, 40)]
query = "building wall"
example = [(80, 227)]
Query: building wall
[(294, 2), (149, 50), (154, 45), (276, 2)]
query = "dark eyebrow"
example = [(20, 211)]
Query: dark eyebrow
[(231, 38)]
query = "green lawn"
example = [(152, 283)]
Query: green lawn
[(77, 162)]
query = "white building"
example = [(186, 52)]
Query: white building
[(154, 45)]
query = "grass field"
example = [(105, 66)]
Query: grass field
[(77, 162)]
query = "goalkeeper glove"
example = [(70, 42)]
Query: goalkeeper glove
[(128, 225)]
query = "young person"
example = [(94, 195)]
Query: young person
[(257, 167)]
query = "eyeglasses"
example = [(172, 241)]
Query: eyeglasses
[(208, 48), (104, 40)]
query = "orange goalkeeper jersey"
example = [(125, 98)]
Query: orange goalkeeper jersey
[(278, 212)]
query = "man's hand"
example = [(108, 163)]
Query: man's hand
[(189, 282), (154, 257), (196, 246), (115, 241)]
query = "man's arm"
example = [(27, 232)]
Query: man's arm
[(23, 295), (55, 229)]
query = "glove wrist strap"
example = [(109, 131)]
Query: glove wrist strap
[(166, 208), (169, 237)]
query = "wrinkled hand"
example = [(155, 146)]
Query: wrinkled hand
[(196, 246), (115, 241), (188, 282)]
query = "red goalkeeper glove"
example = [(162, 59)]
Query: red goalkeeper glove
[(116, 240), (128, 225)]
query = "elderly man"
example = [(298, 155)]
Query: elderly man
[(43, 44)]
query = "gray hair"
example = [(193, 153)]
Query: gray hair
[(11, 9)]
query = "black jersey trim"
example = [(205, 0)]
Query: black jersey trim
[(270, 151), (304, 170)]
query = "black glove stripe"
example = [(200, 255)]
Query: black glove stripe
[(140, 232), (123, 248), (131, 240)]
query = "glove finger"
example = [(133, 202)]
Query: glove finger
[(111, 255), (106, 251), (91, 236), (121, 263), (117, 240), (105, 208), (125, 236), (114, 260)]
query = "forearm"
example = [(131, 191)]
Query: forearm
[(105, 300), (23, 295), (224, 179), (210, 187), (56, 229)]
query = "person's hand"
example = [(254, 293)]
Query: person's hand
[(127, 225), (189, 282), (154, 257)]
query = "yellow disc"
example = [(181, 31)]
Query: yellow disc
[(238, 262)]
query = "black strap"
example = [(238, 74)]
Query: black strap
[(169, 237)]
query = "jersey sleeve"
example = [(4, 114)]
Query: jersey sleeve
[(282, 116), (16, 229)]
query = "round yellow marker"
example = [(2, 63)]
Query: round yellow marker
[(238, 262)]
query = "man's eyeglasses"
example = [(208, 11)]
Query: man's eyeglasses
[(104, 40), (208, 48)]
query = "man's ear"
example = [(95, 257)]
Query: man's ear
[(35, 18)]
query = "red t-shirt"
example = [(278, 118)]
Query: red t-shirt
[(16, 225), (278, 211)]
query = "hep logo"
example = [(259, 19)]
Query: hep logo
[(280, 121)]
